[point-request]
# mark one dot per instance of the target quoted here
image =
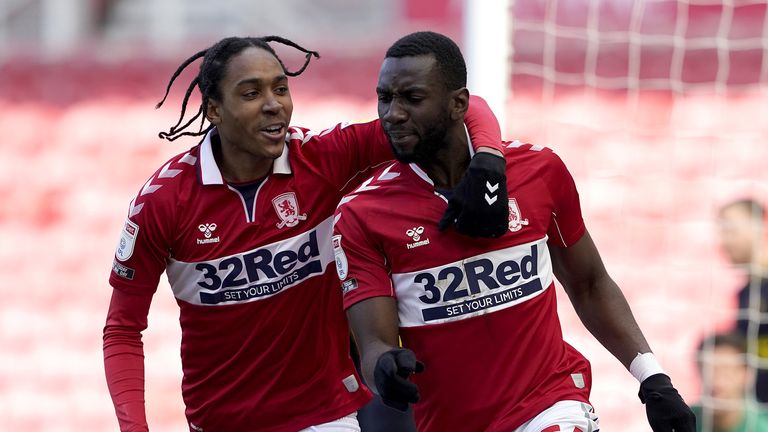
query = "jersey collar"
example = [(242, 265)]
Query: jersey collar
[(423, 175), (210, 174)]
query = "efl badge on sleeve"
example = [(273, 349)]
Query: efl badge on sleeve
[(516, 220), (287, 208), (342, 268), (123, 271), (127, 241)]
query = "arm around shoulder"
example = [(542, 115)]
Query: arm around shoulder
[(483, 127)]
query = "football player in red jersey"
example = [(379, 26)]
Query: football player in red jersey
[(482, 348), (241, 223)]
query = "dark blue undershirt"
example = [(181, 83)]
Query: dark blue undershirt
[(447, 193), (248, 192)]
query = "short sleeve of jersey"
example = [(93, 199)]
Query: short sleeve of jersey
[(345, 151), (567, 224), (143, 246), (360, 264)]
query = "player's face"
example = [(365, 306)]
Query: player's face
[(413, 107), (738, 234), (256, 106)]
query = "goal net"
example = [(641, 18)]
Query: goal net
[(660, 110)]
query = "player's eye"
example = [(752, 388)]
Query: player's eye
[(414, 97), (281, 91)]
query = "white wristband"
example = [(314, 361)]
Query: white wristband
[(644, 365)]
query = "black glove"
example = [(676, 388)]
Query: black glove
[(479, 206), (391, 377), (666, 410)]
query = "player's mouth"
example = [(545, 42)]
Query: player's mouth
[(399, 138), (274, 132)]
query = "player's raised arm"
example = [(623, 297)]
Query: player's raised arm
[(480, 204), (602, 308), (343, 151), (346, 153)]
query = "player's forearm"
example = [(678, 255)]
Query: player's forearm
[(483, 127), (124, 358), (606, 314), (490, 150), (368, 357), (374, 324), (124, 371)]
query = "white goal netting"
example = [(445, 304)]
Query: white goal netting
[(660, 109)]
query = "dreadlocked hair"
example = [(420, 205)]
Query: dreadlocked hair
[(212, 69), (448, 57)]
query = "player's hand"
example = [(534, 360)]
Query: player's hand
[(391, 376), (666, 410), (479, 206)]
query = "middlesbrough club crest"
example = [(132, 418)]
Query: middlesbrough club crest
[(516, 221), (287, 208)]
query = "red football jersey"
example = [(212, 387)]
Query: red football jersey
[(265, 342), (480, 313)]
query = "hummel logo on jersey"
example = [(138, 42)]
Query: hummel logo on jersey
[(207, 230), (515, 219), (415, 234), (287, 208), (492, 188)]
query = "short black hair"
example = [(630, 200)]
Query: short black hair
[(215, 60), (450, 61)]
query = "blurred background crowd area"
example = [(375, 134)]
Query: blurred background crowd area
[(658, 107)]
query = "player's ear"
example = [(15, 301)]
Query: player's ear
[(459, 103), (213, 112)]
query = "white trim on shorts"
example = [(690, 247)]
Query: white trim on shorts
[(569, 415), (347, 423)]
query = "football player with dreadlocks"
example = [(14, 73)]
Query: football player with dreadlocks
[(241, 224)]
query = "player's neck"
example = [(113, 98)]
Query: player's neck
[(245, 170), (238, 166), (450, 163)]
